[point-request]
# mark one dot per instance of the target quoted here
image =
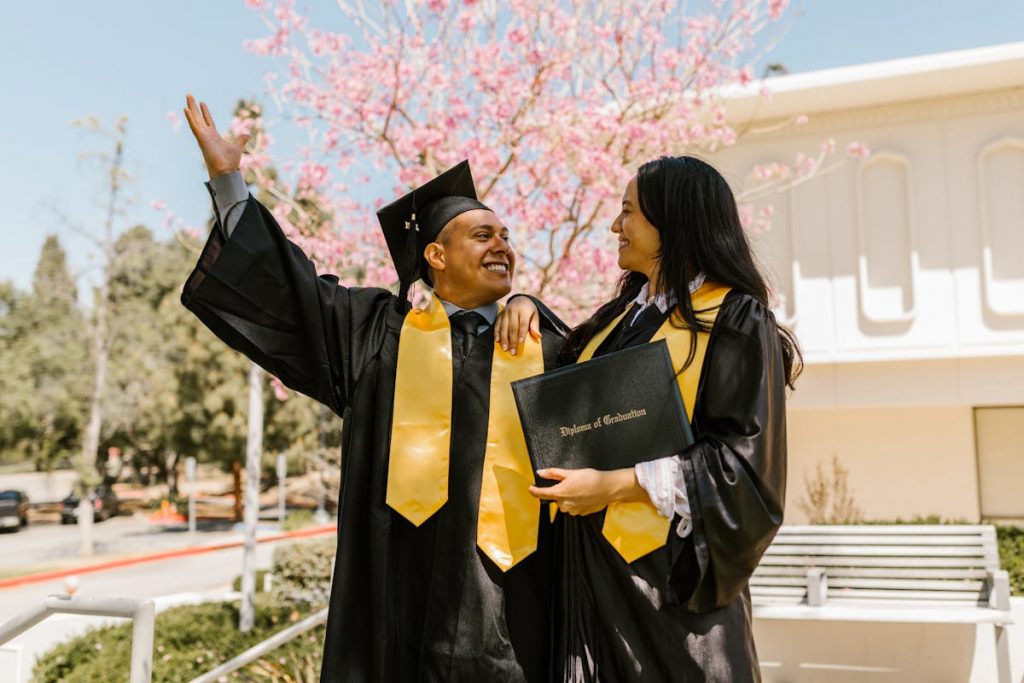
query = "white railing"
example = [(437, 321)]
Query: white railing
[(141, 613)]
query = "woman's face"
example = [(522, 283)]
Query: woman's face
[(639, 241)]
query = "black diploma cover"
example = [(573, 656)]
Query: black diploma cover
[(607, 413)]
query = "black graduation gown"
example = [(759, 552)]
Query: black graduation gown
[(407, 603), (682, 612)]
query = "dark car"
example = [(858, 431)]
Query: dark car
[(13, 509), (104, 505)]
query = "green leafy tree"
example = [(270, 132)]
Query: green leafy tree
[(44, 363)]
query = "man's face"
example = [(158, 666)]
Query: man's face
[(472, 262)]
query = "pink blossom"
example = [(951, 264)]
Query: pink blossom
[(518, 35), (551, 146), (281, 392), (175, 119), (858, 150), (801, 119), (777, 7)]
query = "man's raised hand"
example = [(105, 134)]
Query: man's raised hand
[(222, 156)]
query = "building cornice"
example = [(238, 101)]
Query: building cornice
[(840, 121), (928, 77)]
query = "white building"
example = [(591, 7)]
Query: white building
[(903, 277)]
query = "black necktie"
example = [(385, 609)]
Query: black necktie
[(467, 323)]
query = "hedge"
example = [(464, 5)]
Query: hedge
[(302, 571)]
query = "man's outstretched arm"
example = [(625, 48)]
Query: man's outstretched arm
[(223, 158), (261, 295)]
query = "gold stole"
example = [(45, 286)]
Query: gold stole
[(508, 517), (635, 529)]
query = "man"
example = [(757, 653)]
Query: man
[(442, 563)]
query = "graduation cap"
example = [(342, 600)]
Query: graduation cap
[(415, 220)]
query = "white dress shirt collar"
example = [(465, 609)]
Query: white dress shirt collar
[(663, 301), (488, 311)]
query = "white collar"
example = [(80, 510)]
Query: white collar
[(665, 301)]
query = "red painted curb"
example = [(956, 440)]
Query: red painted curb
[(13, 581)]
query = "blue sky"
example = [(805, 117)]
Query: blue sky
[(63, 61)]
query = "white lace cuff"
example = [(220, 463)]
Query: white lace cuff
[(665, 485)]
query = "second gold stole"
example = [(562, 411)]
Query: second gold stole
[(508, 516), (635, 529)]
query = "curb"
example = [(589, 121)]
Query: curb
[(26, 579)]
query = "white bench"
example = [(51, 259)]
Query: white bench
[(945, 574)]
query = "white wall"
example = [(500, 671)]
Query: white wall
[(902, 461), (884, 259)]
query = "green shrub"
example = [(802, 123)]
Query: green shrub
[(302, 571), (236, 585), (188, 641), (298, 519), (1011, 555)]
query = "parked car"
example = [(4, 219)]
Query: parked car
[(13, 509), (104, 504)]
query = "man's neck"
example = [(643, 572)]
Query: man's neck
[(462, 300)]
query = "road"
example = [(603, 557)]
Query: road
[(43, 546)]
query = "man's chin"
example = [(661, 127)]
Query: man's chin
[(497, 290)]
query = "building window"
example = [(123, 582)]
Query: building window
[(999, 435)]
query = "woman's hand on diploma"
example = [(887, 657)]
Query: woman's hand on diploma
[(222, 156), (586, 491)]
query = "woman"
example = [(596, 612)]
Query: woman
[(657, 557)]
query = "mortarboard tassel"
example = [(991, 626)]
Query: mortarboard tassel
[(408, 270)]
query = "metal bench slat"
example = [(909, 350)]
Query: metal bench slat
[(898, 529), (839, 594), (867, 551), (877, 572), (889, 584), (797, 592), (881, 539), (825, 561)]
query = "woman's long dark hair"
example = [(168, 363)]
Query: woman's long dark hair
[(695, 213)]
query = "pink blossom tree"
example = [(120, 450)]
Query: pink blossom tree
[(555, 103)]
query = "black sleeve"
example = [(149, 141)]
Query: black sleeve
[(548, 320), (553, 331), (736, 471), (259, 293)]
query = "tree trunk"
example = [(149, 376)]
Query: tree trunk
[(91, 441), (100, 344), (253, 451), (172, 473), (236, 475)]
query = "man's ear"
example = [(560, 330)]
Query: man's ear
[(435, 256)]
